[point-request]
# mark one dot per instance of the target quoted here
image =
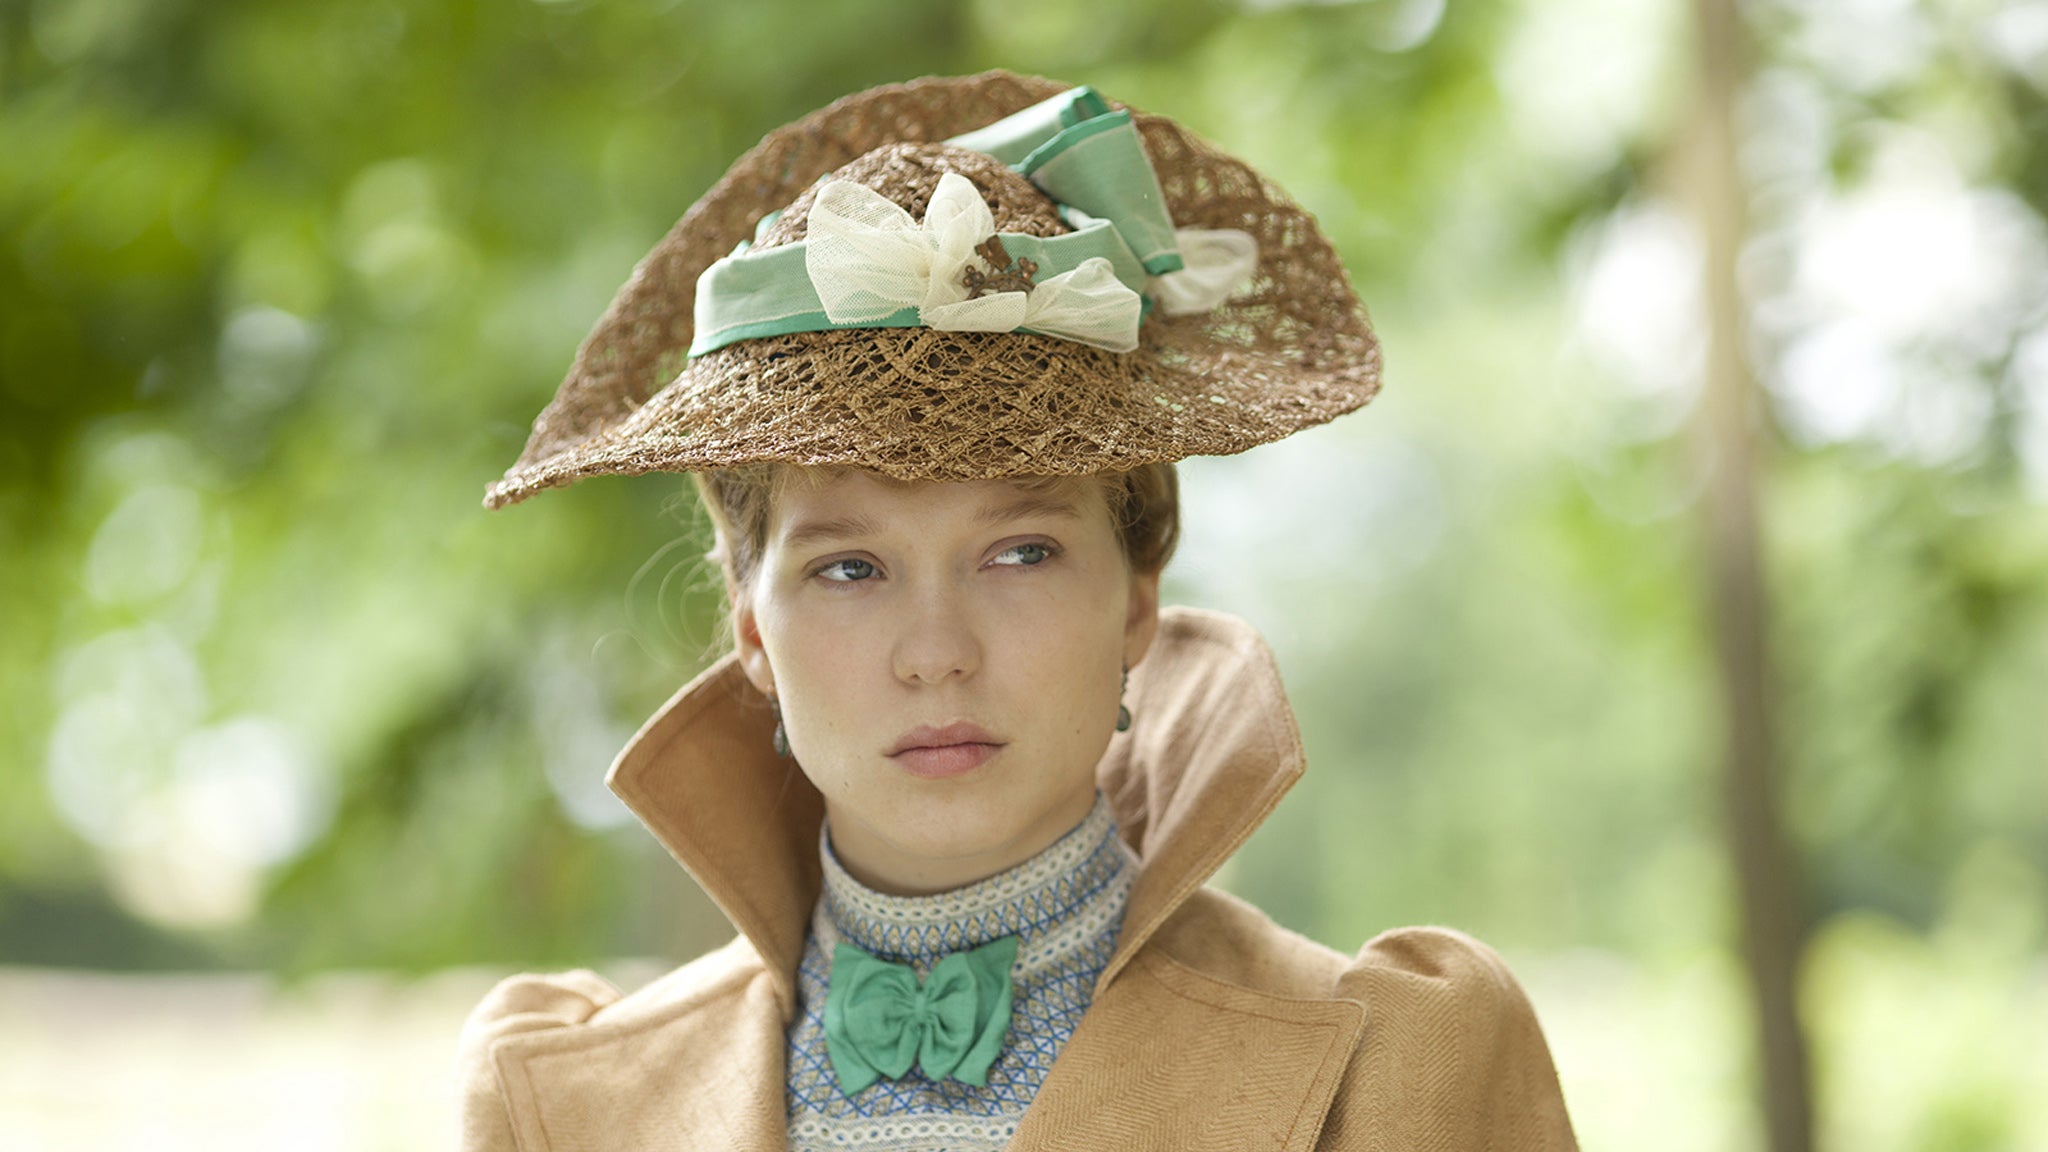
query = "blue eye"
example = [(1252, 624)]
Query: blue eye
[(855, 570), (1033, 554)]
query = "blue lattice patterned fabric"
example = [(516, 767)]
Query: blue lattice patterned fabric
[(1065, 904)]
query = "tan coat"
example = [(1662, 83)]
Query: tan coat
[(1211, 1028)]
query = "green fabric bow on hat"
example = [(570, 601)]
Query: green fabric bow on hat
[(879, 1018), (873, 270)]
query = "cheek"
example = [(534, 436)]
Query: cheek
[(1063, 649), (826, 666)]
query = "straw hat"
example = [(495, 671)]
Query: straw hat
[(1284, 346)]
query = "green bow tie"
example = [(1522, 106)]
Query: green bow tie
[(879, 1018)]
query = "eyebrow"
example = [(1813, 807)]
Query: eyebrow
[(811, 532)]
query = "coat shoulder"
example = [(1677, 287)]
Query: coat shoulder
[(1453, 1054), (1450, 1054), (1229, 939), (530, 1003)]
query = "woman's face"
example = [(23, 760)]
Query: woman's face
[(884, 608)]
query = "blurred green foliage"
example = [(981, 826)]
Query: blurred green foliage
[(281, 286)]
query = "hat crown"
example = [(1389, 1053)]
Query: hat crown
[(907, 174)]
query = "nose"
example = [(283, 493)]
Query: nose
[(937, 639)]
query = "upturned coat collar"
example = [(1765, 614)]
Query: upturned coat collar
[(1212, 749), (1211, 1028)]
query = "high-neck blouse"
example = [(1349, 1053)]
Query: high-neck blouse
[(1066, 905)]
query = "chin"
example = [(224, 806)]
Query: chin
[(945, 824)]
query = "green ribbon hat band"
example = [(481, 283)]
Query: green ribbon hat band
[(1085, 156), (879, 1019), (1099, 166), (1088, 159), (769, 293), (1019, 134)]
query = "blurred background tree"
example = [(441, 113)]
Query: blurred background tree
[(282, 285)]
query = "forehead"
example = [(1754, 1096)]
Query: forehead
[(814, 509)]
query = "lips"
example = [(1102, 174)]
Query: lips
[(954, 750), (927, 736)]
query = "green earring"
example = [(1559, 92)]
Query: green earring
[(781, 737), (1123, 714)]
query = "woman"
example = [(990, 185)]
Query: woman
[(961, 779)]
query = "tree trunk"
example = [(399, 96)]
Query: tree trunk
[(1731, 417)]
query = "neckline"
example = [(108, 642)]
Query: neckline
[(1032, 899)]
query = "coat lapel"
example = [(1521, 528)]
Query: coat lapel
[(1212, 748), (1168, 1059), (702, 775)]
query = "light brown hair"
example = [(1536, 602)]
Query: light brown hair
[(1144, 507)]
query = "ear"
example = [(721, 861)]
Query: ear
[(746, 640), (1141, 618)]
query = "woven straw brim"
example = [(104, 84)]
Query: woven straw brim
[(1293, 348)]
